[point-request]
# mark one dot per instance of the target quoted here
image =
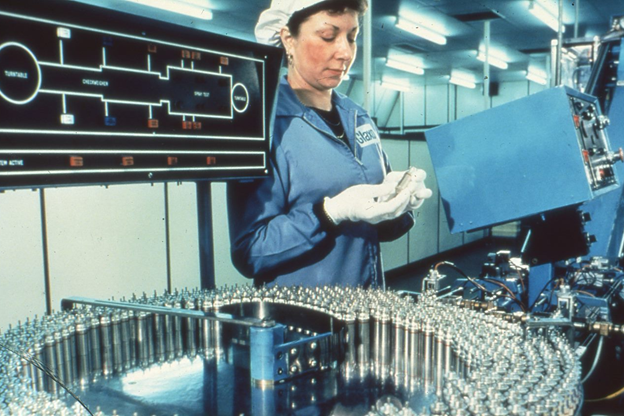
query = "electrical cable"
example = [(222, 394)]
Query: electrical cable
[(460, 271), (519, 271), (596, 359), (586, 293), (480, 286), (39, 365), (609, 397), (578, 272), (512, 297), (542, 291)]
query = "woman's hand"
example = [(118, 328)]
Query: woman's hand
[(368, 203), (413, 180)]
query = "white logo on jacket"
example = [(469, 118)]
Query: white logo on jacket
[(366, 135)]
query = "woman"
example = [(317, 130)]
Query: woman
[(328, 201)]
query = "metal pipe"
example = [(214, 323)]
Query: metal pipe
[(367, 70), (558, 80), (577, 13), (486, 64), (68, 303)]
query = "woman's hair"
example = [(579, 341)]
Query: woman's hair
[(330, 6)]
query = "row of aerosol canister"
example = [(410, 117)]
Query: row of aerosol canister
[(474, 363)]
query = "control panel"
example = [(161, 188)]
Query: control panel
[(591, 128), (89, 95)]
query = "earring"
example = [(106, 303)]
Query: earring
[(290, 60)]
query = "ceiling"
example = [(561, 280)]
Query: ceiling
[(515, 34)]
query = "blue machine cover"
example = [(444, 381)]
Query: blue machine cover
[(509, 162)]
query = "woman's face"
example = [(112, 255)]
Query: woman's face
[(323, 51)]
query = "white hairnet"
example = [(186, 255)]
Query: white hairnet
[(273, 19)]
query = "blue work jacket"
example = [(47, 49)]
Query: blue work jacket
[(275, 234)]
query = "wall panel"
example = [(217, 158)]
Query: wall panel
[(414, 109), (106, 241), (437, 104), (469, 101), (184, 239), (510, 91), (225, 272), (22, 288)]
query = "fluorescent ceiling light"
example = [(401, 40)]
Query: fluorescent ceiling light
[(463, 82), (418, 30), (545, 16), (497, 62), (179, 7), (395, 85), (403, 66), (537, 78)]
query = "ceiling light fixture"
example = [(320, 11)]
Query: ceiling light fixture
[(179, 7), (539, 11), (462, 79), (396, 85), (403, 66), (537, 78), (492, 60), (418, 30)]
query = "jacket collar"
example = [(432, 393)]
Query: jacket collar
[(290, 106)]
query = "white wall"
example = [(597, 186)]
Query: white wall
[(22, 289)]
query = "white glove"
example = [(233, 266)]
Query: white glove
[(416, 186), (364, 203)]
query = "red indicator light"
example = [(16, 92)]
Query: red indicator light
[(187, 125), (211, 160), (197, 125), (196, 56), (151, 48), (127, 161), (152, 123), (76, 161), (172, 160), (585, 155), (224, 60), (577, 120), (186, 54)]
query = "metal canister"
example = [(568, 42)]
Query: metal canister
[(117, 342), (83, 349), (191, 331), (50, 362), (107, 345), (96, 350), (126, 347), (363, 341), (178, 343), (399, 329)]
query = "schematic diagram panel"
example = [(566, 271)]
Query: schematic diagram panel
[(89, 95)]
